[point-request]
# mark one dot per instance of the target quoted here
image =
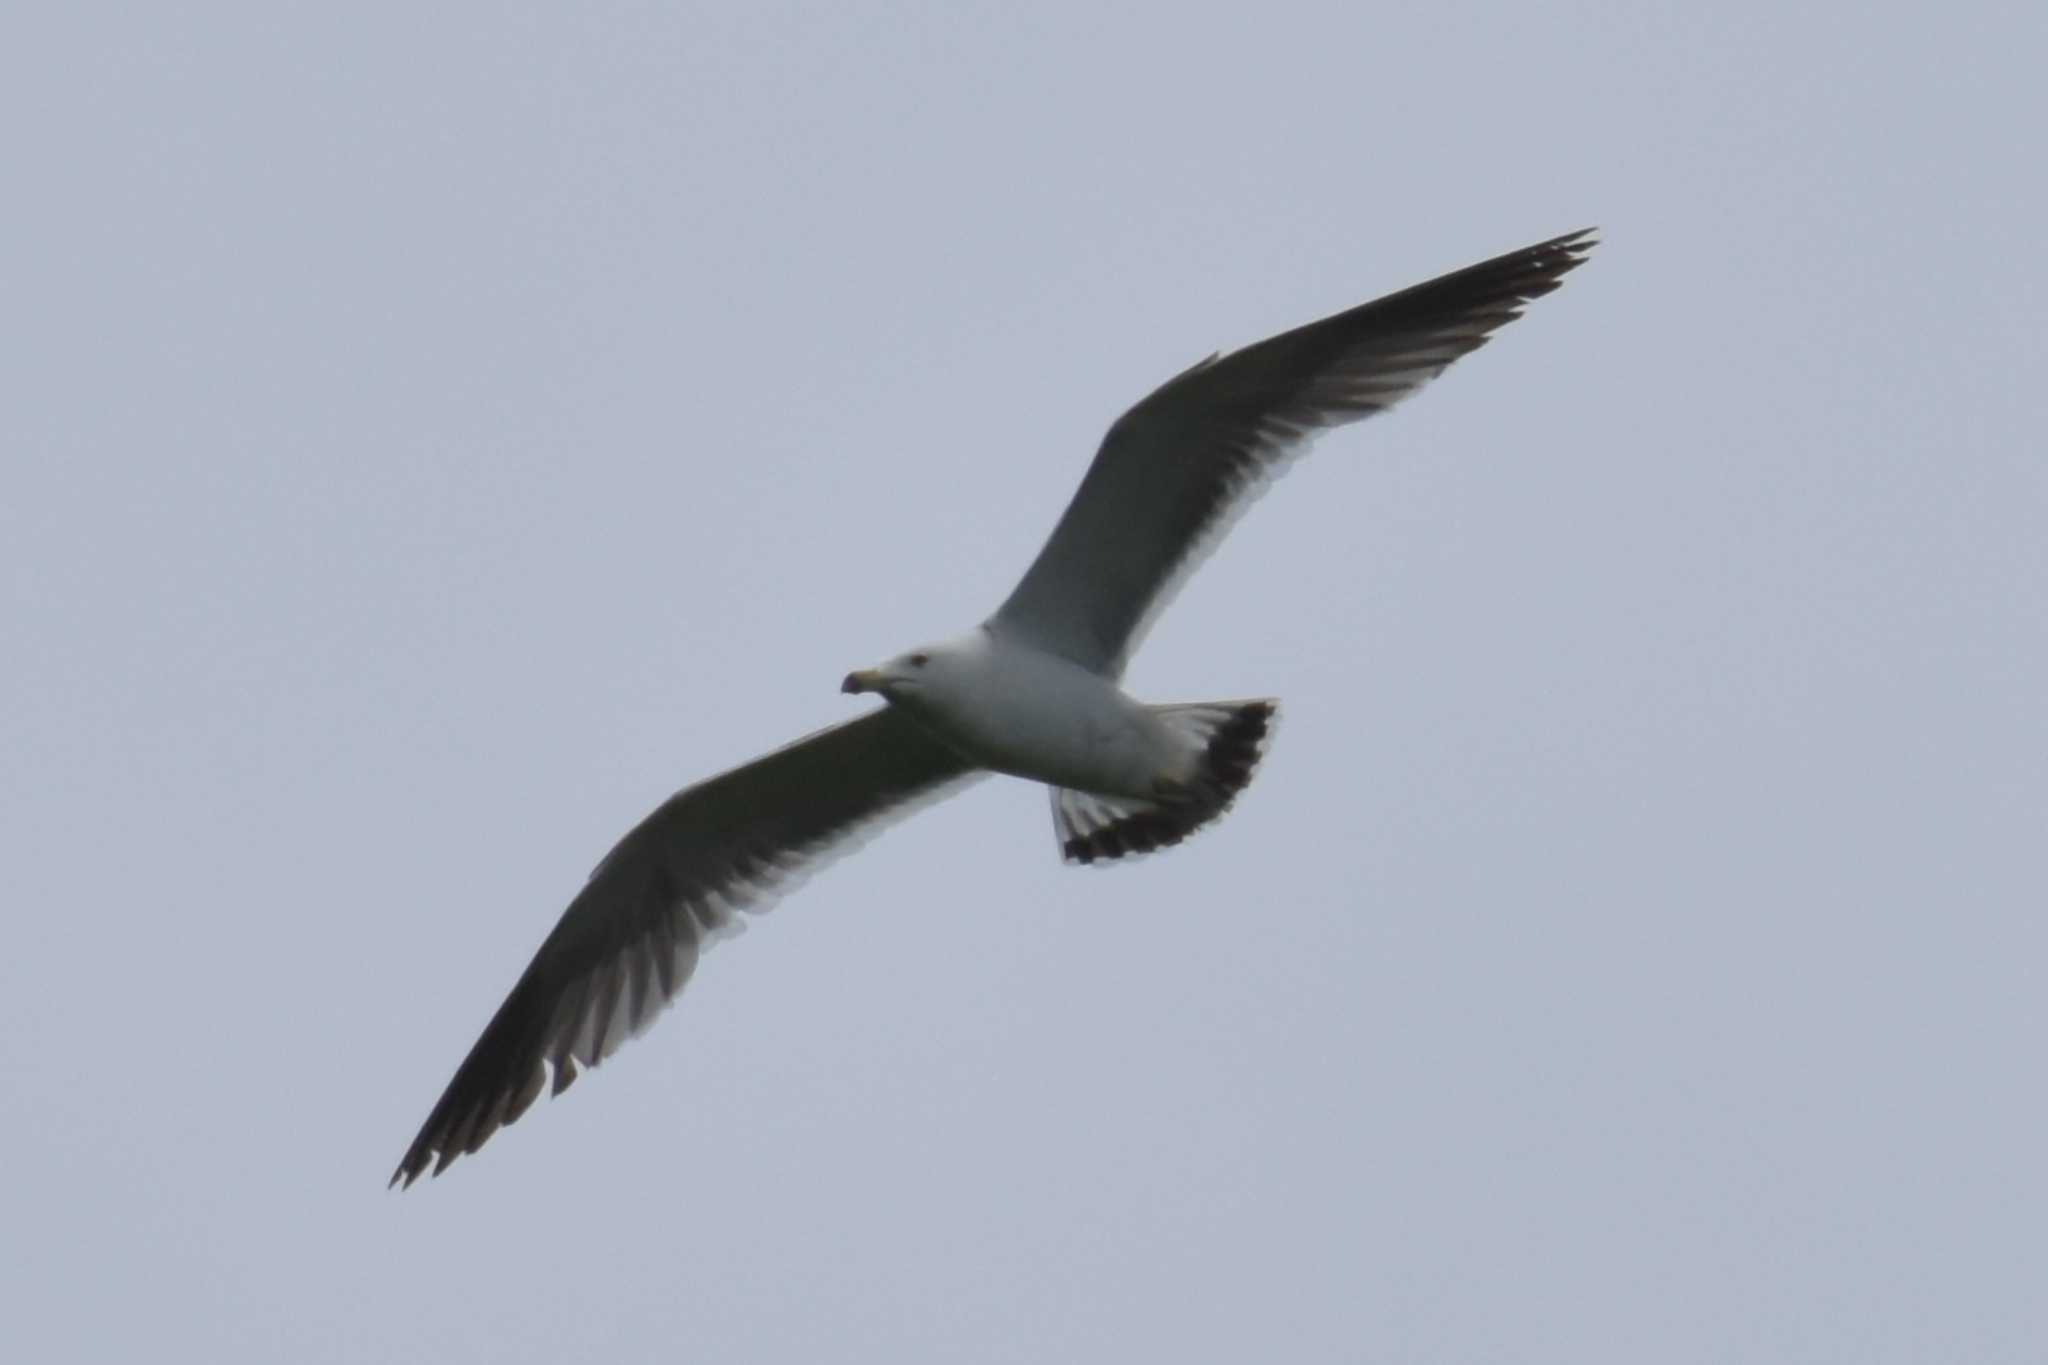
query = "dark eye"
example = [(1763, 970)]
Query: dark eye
[(920, 660)]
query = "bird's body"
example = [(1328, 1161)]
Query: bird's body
[(1013, 709), (1033, 692)]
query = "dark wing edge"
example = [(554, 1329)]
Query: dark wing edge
[(1177, 469), (631, 938)]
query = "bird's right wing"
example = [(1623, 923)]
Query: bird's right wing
[(630, 939), (1177, 468)]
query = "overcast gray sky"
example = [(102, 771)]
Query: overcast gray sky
[(434, 435)]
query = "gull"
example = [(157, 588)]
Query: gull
[(1032, 692)]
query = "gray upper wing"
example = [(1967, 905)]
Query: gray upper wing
[(1175, 469), (630, 939)]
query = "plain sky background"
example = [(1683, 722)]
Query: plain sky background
[(434, 434)]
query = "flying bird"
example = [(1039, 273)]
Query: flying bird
[(1032, 692)]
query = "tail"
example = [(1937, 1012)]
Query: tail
[(1233, 736)]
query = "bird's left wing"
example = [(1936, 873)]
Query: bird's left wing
[(630, 939), (1176, 468)]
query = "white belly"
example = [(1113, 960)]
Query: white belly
[(1036, 715)]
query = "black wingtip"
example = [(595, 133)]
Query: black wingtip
[(1573, 247), (417, 1158), (1551, 259)]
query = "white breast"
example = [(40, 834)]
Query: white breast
[(1031, 714)]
